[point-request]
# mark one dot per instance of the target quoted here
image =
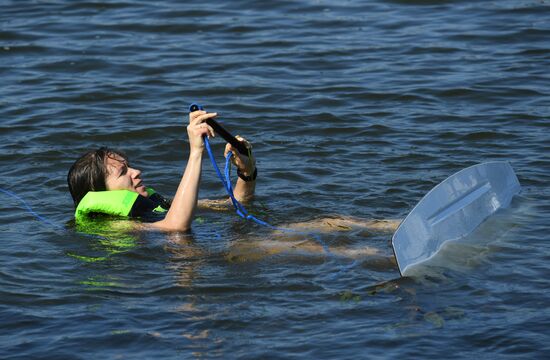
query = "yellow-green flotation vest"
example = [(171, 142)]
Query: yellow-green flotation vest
[(122, 203)]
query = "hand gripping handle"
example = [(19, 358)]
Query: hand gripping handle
[(220, 130)]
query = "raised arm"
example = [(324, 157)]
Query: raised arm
[(182, 210)]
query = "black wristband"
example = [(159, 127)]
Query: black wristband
[(248, 178)]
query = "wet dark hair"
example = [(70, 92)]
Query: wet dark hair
[(89, 172)]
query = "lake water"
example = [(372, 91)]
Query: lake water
[(354, 108)]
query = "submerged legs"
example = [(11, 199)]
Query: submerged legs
[(305, 240)]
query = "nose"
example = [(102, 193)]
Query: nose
[(135, 173)]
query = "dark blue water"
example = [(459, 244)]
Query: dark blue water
[(354, 108)]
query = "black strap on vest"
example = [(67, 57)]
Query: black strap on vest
[(143, 206)]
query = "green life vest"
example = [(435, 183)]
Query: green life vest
[(123, 203)]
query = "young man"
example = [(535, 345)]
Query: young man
[(103, 181)]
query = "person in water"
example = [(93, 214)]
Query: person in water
[(103, 181)]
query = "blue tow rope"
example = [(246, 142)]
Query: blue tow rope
[(31, 211), (239, 208)]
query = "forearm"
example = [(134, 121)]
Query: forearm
[(246, 167), (180, 215), (244, 190)]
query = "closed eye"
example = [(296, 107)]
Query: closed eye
[(123, 171)]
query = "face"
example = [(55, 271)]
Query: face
[(122, 177)]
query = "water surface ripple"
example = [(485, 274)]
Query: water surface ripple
[(355, 108)]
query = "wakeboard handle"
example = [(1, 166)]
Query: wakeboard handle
[(220, 130)]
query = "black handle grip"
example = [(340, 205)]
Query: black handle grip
[(220, 130)]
